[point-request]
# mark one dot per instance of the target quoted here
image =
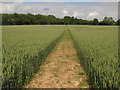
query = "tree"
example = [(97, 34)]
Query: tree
[(118, 22), (51, 19), (67, 20), (107, 21), (28, 19), (95, 21), (0, 19)]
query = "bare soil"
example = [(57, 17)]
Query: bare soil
[(61, 69)]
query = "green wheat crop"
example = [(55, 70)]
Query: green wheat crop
[(24, 49), (97, 48)]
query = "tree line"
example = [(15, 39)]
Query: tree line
[(39, 19)]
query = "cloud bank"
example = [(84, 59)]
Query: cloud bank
[(65, 12), (93, 15), (84, 10)]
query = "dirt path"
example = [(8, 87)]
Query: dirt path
[(61, 68)]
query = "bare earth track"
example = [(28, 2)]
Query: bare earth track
[(61, 69)]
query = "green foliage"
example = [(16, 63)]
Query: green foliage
[(118, 22), (30, 19), (97, 49), (95, 21), (24, 49), (81, 73), (107, 21)]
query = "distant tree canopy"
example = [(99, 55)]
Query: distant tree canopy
[(95, 21), (30, 19), (108, 21)]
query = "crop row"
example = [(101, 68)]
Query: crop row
[(24, 49), (97, 49)]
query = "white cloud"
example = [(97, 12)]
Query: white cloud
[(79, 10), (10, 7), (93, 15), (50, 13), (65, 12), (77, 14)]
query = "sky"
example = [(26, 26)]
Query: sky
[(89, 9), (59, 0)]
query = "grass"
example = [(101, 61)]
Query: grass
[(57, 69), (69, 56), (97, 48), (47, 62), (82, 84), (81, 73), (66, 36), (55, 75), (63, 62), (26, 46)]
